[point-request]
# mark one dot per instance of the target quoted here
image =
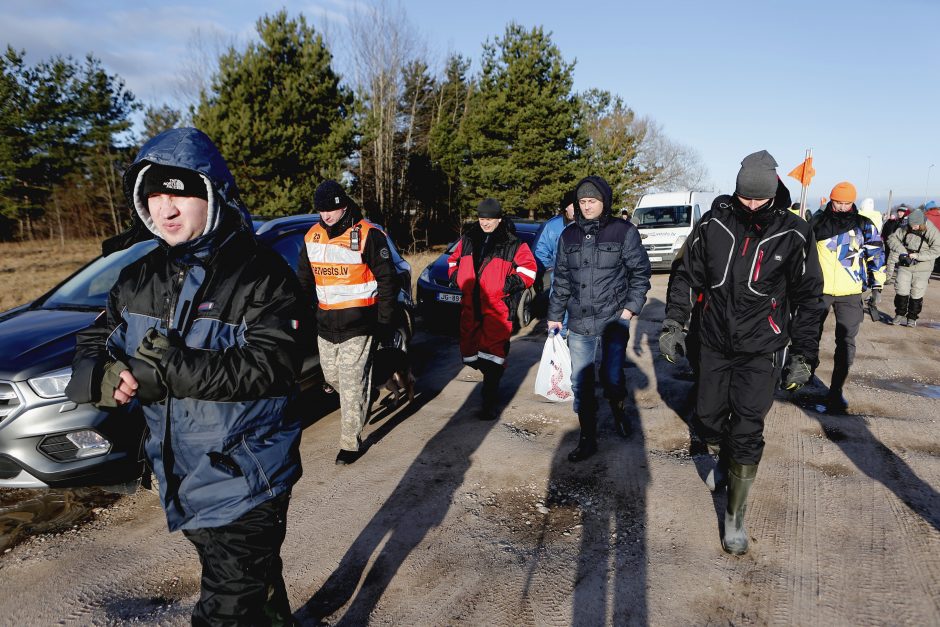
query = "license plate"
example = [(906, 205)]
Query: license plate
[(448, 298), (656, 258)]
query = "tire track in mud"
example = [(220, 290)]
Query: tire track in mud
[(103, 581)]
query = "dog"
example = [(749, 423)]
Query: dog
[(391, 369)]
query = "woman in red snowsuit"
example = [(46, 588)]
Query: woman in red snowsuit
[(492, 268)]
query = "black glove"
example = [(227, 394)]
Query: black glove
[(385, 334), (672, 340), (149, 367), (513, 284), (110, 381), (798, 373)]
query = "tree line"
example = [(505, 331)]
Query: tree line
[(418, 147)]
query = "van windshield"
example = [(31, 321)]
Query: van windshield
[(655, 217)]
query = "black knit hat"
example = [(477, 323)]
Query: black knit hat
[(570, 198), (165, 179), (489, 208), (757, 177), (330, 196)]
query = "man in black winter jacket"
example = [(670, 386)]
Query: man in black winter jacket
[(755, 265), (602, 275), (202, 332)]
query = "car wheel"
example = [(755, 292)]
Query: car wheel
[(524, 309)]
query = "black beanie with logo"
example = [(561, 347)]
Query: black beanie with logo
[(165, 179)]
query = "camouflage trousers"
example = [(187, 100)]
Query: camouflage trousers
[(347, 368)]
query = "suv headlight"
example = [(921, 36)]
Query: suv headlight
[(679, 242), (51, 385), (425, 275)]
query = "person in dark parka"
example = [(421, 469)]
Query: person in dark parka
[(203, 334), (756, 267), (602, 275)]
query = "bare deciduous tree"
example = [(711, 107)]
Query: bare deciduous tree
[(676, 166), (382, 43), (199, 64)]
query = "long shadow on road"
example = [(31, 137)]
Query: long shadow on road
[(419, 502), (853, 436), (610, 492)]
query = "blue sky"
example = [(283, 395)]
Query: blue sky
[(858, 82)]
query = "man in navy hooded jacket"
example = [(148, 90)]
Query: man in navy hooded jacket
[(602, 275), (202, 333)]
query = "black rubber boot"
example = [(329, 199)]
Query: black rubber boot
[(900, 305), (492, 373), (740, 480), (621, 424), (717, 477), (587, 442), (914, 307)]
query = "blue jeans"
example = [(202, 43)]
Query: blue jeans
[(583, 348)]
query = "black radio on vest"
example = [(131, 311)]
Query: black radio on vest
[(354, 239)]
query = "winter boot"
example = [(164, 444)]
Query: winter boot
[(717, 477), (492, 373), (835, 402), (740, 480), (587, 442), (621, 425), (913, 311), (900, 309)]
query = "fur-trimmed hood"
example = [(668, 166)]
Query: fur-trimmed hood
[(191, 149)]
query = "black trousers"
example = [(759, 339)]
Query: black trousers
[(735, 392), (241, 569), (849, 315)]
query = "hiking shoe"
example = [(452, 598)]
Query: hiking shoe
[(899, 320), (345, 458), (912, 322), (488, 412), (586, 448), (836, 405)]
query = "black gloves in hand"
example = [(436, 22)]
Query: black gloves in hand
[(385, 334), (513, 284), (798, 373), (110, 381), (672, 340), (149, 367)]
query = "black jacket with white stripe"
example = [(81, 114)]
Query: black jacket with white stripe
[(760, 278)]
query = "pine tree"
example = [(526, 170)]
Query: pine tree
[(521, 132), (279, 116), (447, 146)]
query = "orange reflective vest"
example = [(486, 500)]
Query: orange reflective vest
[(343, 279)]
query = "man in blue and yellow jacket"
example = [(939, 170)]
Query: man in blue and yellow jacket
[(852, 258)]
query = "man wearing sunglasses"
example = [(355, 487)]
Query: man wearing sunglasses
[(756, 267)]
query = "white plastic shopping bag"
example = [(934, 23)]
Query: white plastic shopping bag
[(553, 380)]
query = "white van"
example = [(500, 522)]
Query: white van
[(665, 221)]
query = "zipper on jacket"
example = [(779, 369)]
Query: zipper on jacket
[(747, 240), (760, 258), (770, 318), (174, 300)]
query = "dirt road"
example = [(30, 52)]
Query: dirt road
[(448, 520)]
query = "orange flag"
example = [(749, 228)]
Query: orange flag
[(804, 172)]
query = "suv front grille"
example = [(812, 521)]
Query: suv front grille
[(59, 448), (9, 399), (8, 468), (657, 247)]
